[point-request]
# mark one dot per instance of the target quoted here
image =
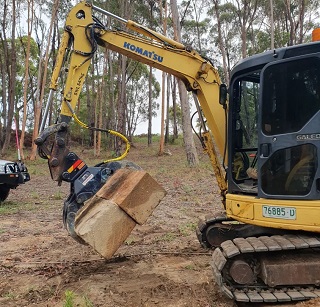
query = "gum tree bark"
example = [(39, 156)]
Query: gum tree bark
[(190, 148)]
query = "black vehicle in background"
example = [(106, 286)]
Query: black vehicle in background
[(12, 174)]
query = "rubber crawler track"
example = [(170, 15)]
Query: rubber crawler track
[(232, 249)]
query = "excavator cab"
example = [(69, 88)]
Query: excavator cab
[(274, 112), (271, 253)]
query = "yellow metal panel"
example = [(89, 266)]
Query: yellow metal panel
[(242, 209), (248, 209)]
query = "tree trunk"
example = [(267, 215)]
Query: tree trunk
[(26, 79), (3, 96), (111, 110), (163, 102), (166, 138), (191, 152), (163, 87), (291, 22), (12, 71), (190, 148), (174, 107), (221, 42), (37, 114), (150, 109), (301, 21), (5, 73), (122, 101)]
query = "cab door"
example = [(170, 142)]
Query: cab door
[(289, 129)]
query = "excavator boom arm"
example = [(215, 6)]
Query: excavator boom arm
[(84, 32)]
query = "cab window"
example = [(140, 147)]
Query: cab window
[(291, 95)]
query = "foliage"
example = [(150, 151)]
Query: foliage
[(179, 118), (69, 298), (245, 27)]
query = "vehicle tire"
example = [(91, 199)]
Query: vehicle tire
[(4, 192)]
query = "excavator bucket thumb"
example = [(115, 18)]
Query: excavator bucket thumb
[(107, 219)]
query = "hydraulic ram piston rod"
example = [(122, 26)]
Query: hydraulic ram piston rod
[(96, 8)]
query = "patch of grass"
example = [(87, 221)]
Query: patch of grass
[(87, 302), (143, 138), (8, 207), (72, 300), (34, 195), (167, 237), (37, 167), (187, 229), (58, 195), (69, 298), (10, 295), (190, 267)]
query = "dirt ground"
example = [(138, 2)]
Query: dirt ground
[(160, 264)]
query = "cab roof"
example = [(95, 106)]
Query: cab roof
[(258, 61)]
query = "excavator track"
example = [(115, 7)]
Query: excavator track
[(261, 265), (204, 227), (243, 259)]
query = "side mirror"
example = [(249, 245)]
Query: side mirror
[(223, 95)]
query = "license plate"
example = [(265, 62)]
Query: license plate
[(287, 213)]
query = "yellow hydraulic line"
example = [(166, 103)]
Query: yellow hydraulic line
[(115, 133)]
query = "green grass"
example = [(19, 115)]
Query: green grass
[(187, 229), (143, 138), (9, 295), (190, 267), (9, 207), (58, 195), (69, 298), (167, 237), (87, 302), (37, 167), (72, 299)]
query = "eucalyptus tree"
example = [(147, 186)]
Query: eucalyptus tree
[(190, 149), (8, 62), (137, 95), (43, 78), (293, 21), (224, 37), (195, 25)]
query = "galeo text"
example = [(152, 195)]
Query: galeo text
[(313, 136)]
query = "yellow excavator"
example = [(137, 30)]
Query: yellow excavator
[(266, 240)]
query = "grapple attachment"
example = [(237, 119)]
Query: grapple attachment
[(105, 201)]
